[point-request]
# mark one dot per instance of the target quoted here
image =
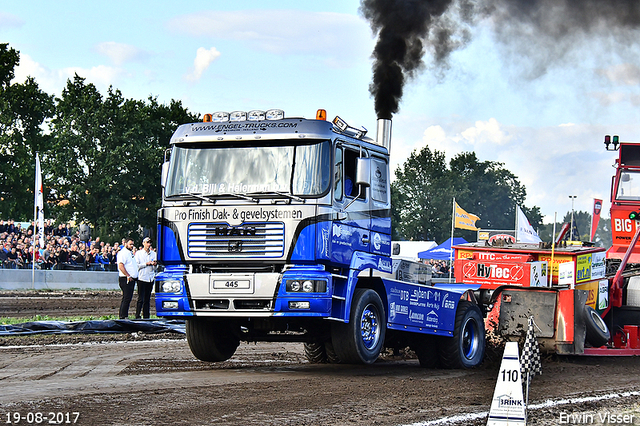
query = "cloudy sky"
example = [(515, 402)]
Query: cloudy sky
[(541, 111)]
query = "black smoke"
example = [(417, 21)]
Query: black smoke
[(536, 32)]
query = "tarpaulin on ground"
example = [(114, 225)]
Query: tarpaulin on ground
[(93, 326)]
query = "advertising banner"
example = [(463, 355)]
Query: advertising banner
[(492, 274)]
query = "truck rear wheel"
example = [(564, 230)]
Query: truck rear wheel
[(315, 352), (211, 341), (597, 330), (466, 348), (426, 348), (361, 339), (320, 352)]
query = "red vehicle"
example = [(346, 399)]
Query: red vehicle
[(589, 302)]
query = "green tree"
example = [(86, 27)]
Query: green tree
[(108, 153), (24, 108), (421, 197), (424, 188)]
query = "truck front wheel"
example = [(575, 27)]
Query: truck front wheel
[(466, 348), (212, 341), (361, 339)]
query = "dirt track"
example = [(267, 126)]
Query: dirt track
[(157, 382)]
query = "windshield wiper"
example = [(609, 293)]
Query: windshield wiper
[(242, 196), (289, 195), (197, 195)]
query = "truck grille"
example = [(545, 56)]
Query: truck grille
[(220, 240)]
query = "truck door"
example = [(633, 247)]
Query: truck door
[(351, 228)]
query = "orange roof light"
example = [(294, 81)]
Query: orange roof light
[(207, 118), (321, 114)]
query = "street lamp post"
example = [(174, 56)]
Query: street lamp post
[(573, 197)]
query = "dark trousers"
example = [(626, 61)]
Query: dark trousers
[(127, 294), (144, 299)]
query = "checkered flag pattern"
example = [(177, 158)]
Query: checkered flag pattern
[(530, 357)]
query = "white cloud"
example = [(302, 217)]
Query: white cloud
[(10, 20), (52, 81), (340, 39), (203, 59), (101, 76), (119, 53), (486, 132), (48, 81)]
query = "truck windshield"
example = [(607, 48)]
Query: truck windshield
[(213, 170), (629, 186)]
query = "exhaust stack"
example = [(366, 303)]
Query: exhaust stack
[(383, 137)]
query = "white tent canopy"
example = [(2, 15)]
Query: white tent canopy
[(410, 249)]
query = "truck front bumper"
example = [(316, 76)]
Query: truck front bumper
[(299, 291)]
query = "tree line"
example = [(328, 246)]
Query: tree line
[(100, 155), (101, 159)]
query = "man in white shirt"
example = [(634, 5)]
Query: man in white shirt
[(147, 261), (127, 275)]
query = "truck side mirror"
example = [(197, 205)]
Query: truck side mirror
[(396, 249), (164, 174), (363, 171)]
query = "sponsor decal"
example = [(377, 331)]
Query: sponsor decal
[(583, 267), (432, 317), (416, 317), (236, 214), (506, 237), (384, 264), (508, 401), (248, 126), (448, 304), (377, 240)]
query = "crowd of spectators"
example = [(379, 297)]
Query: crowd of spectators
[(439, 268), (63, 249)]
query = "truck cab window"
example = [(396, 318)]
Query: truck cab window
[(337, 190), (350, 187)]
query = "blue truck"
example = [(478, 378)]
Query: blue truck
[(278, 229)]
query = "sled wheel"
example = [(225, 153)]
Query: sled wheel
[(597, 330), (361, 339), (466, 348), (210, 340)]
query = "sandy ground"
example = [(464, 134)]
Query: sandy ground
[(134, 379)]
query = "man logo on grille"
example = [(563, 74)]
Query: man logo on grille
[(235, 246)]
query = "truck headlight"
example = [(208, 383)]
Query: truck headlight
[(306, 286), (172, 286)]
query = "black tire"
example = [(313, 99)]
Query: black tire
[(426, 348), (315, 352), (597, 330), (211, 341), (361, 339), (466, 348), (332, 357)]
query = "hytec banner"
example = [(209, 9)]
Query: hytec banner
[(595, 218), (464, 220), (524, 231)]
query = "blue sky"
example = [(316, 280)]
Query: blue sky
[(301, 56)]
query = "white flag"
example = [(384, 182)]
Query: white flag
[(525, 232), (39, 203)]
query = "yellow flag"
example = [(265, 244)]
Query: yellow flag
[(464, 220)]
